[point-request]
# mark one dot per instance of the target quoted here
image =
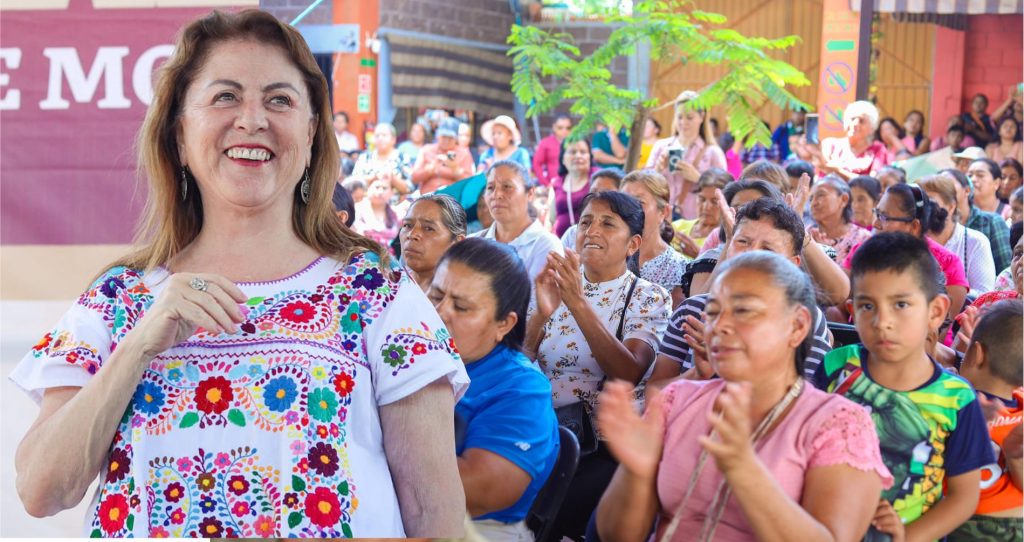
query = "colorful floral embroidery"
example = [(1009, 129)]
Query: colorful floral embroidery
[(289, 377)]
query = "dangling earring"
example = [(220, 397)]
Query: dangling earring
[(305, 186), (184, 184)]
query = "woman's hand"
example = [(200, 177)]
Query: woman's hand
[(545, 288), (728, 220), (182, 309), (693, 334), (635, 441), (887, 521), (661, 164), (568, 278), (730, 419), (690, 174), (797, 201), (968, 320), (687, 244)]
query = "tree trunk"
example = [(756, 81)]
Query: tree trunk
[(636, 138)]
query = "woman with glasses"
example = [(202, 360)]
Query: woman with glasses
[(906, 208)]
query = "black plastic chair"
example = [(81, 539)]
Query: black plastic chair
[(541, 517), (843, 334)]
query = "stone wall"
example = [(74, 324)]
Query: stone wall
[(477, 20)]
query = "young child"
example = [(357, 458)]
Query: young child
[(993, 365), (930, 425)]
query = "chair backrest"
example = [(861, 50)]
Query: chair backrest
[(541, 517), (843, 334)]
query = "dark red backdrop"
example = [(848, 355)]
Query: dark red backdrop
[(67, 176)]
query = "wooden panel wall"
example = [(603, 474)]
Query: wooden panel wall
[(905, 64), (905, 61), (766, 18)]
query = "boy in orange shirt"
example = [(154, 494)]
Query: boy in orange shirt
[(993, 365)]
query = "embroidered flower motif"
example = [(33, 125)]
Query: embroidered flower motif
[(134, 501), (207, 504), (303, 465), (222, 460), (321, 431), (206, 482), (178, 517), (322, 507), (265, 526), (394, 355), (184, 464), (210, 528), (118, 466), (369, 278), (43, 343), (279, 394), (174, 492), (238, 484), (419, 349), (113, 513), (291, 500), (323, 459), (111, 286), (323, 405), (334, 426), (213, 395), (174, 375), (319, 373), (299, 312), (298, 447), (159, 532), (149, 398), (240, 508)]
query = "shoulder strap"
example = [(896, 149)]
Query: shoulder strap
[(622, 317), (700, 155)]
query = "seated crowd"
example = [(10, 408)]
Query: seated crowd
[(795, 342)]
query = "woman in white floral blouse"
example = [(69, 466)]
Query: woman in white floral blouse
[(595, 319), (255, 369)]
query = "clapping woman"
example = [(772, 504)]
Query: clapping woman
[(757, 454), (595, 320)]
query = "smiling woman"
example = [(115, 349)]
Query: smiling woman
[(251, 348), (595, 320)]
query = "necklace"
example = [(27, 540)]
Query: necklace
[(721, 495)]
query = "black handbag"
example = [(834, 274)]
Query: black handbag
[(574, 416)]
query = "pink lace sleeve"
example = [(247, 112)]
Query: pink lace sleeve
[(847, 437)]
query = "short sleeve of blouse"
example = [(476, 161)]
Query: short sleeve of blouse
[(407, 345), (76, 348), (846, 436), (647, 314)]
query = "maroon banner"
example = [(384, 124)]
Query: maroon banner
[(75, 82)]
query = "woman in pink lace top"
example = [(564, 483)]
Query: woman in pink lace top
[(755, 454)]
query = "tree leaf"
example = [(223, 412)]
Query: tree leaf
[(298, 484), (188, 420)]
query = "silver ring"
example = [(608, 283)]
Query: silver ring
[(198, 284)]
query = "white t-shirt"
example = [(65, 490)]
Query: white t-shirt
[(271, 432), (974, 250), (564, 353), (532, 246)]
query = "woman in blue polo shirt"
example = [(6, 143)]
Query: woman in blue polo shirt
[(481, 290)]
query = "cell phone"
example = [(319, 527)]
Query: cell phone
[(811, 128), (674, 156)]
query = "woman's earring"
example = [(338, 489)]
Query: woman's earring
[(305, 187), (184, 184)]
